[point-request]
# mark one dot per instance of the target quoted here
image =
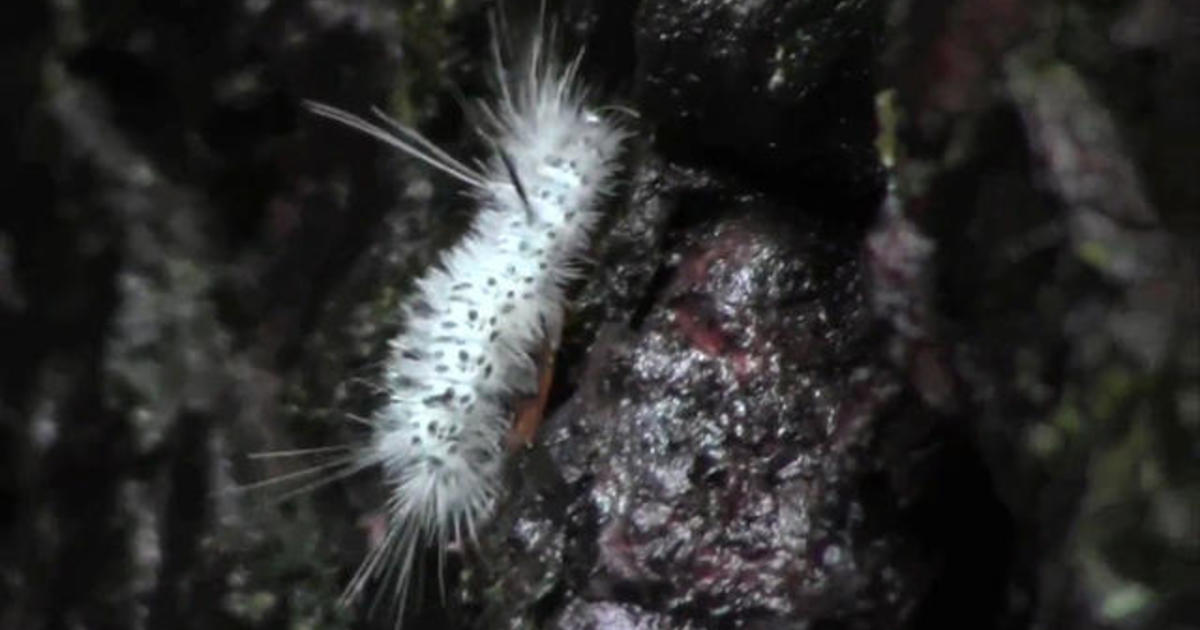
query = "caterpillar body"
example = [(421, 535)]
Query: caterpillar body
[(477, 319)]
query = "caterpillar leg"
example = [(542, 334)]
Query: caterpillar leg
[(531, 411)]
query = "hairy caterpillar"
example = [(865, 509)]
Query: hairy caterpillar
[(478, 318)]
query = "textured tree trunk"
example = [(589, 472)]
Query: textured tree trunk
[(893, 323)]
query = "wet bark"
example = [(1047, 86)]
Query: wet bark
[(892, 322)]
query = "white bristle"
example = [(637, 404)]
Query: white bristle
[(477, 319)]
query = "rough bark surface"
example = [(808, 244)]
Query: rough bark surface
[(893, 325)]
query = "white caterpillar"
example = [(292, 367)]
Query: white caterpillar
[(477, 319)]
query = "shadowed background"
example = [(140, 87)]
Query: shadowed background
[(893, 323)]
